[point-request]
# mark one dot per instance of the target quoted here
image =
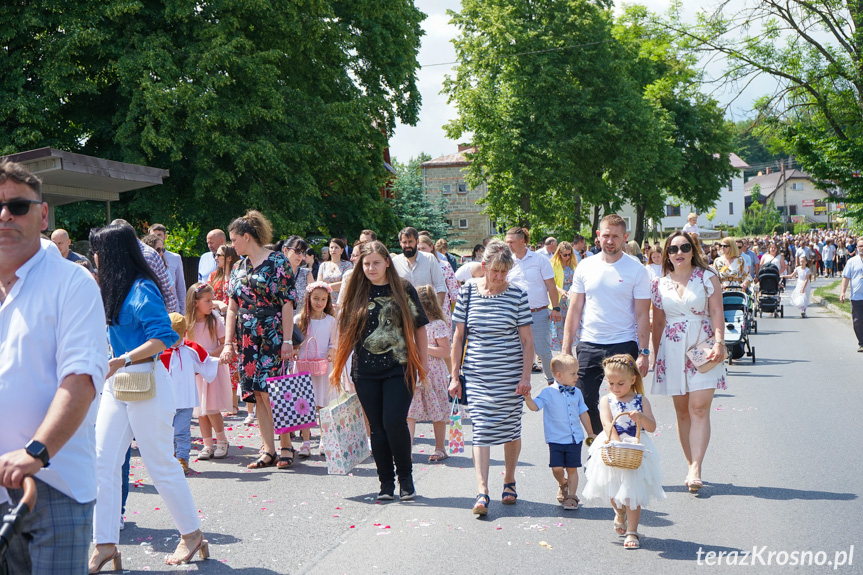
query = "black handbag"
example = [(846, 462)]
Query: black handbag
[(461, 379)]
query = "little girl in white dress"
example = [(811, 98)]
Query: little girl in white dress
[(800, 297), (627, 489)]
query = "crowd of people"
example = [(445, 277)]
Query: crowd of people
[(408, 333)]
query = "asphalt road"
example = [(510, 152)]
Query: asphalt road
[(782, 475)]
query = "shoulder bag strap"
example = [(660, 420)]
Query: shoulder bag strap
[(466, 311)]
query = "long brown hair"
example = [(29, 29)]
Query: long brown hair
[(231, 257), (430, 303), (354, 314), (192, 296), (697, 258)]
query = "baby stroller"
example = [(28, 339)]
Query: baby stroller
[(739, 320), (768, 295), (14, 520)]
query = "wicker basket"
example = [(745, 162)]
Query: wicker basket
[(318, 366), (622, 455)]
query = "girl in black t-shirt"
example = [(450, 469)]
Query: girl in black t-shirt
[(383, 323)]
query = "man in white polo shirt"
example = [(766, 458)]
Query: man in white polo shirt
[(549, 246), (419, 268), (853, 275), (610, 302), (53, 359), (539, 278)]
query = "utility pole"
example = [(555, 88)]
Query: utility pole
[(786, 217)]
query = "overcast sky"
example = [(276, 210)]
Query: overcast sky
[(429, 136)]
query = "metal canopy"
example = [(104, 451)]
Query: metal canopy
[(68, 178)]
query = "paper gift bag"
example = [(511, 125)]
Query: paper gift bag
[(455, 434), (343, 432), (293, 399)]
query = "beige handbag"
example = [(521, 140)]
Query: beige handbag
[(698, 352), (135, 386)]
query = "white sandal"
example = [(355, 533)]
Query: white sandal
[(206, 453), (635, 544), (221, 451)]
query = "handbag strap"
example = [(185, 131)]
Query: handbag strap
[(454, 409), (466, 312)]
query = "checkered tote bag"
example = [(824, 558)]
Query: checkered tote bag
[(293, 399)]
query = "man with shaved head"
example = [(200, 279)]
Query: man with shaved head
[(207, 263), (64, 244)]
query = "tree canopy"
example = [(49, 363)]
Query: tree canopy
[(812, 49), (280, 105)]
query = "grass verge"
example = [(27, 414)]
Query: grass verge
[(829, 294)]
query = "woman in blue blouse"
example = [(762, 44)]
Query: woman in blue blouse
[(138, 329)]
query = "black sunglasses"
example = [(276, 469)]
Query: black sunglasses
[(685, 248), (18, 207)]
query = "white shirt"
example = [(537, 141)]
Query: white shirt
[(854, 272), (426, 270), (691, 229), (175, 270), (52, 324), (464, 274), (206, 265), (544, 252), (609, 304), (182, 367), (536, 269)]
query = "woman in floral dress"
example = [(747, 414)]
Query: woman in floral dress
[(261, 315), (226, 257), (687, 302), (563, 263)]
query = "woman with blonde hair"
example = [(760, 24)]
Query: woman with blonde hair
[(261, 316), (732, 267), (563, 264), (383, 324)]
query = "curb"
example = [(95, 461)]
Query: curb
[(818, 300)]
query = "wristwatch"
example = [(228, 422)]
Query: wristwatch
[(644, 351), (556, 308), (127, 359), (37, 450)]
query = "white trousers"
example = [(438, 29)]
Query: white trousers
[(150, 422)]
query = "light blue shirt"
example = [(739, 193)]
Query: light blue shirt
[(560, 422), (854, 272), (142, 317)]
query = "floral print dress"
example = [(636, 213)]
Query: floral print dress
[(332, 273), (557, 326), (260, 293), (733, 273), (220, 290), (686, 323)]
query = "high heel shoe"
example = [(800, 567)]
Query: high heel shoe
[(202, 548), (116, 557)]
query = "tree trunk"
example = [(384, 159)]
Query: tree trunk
[(639, 223), (525, 208), (595, 225), (576, 216)]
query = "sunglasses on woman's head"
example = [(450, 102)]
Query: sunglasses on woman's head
[(18, 207), (685, 248)]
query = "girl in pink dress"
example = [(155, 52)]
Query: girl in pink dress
[(207, 329), (431, 399)]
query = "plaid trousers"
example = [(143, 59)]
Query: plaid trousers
[(55, 537)]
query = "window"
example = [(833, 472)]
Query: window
[(792, 210), (672, 210), (797, 187), (626, 221), (730, 208), (447, 189), (462, 224), (730, 185), (462, 188), (449, 224)]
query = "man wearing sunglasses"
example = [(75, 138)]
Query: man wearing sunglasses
[(53, 354)]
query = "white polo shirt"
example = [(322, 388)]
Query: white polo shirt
[(854, 272), (52, 324), (610, 291), (535, 269), (425, 270)]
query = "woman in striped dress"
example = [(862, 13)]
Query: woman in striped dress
[(497, 317)]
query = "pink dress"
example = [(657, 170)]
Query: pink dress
[(216, 396), (431, 400)]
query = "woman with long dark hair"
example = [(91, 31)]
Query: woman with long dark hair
[(261, 316), (139, 329), (311, 261), (294, 249), (226, 257), (333, 270), (383, 323)]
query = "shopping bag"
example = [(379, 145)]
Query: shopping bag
[(343, 432), (293, 399), (455, 434)]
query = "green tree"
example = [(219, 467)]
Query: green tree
[(412, 205), (283, 106), (814, 51), (760, 219)]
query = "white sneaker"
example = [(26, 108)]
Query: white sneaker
[(305, 450), (250, 419), (122, 522)]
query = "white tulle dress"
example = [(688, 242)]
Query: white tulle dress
[(632, 487)]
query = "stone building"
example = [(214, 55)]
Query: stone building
[(444, 176)]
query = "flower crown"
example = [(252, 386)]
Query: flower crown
[(319, 285)]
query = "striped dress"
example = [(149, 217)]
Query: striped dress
[(493, 362)]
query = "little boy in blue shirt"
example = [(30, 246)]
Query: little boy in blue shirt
[(565, 413)]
